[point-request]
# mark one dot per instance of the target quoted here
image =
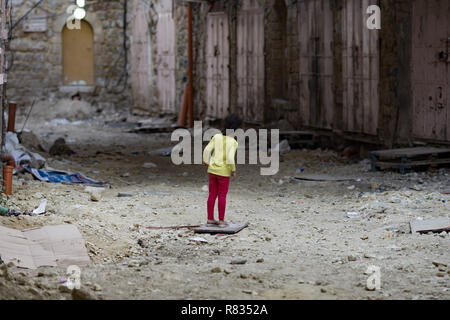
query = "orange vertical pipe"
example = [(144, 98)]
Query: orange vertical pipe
[(7, 179), (12, 117), (8, 172), (190, 71)]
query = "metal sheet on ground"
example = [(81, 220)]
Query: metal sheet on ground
[(431, 225), (230, 229)]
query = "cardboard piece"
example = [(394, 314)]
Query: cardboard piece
[(230, 229), (55, 246), (433, 225)]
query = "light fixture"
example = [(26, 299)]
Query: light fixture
[(81, 3), (79, 13)]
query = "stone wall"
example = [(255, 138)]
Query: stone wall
[(36, 70)]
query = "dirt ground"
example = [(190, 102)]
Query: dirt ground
[(300, 243)]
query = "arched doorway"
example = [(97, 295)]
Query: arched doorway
[(78, 55)]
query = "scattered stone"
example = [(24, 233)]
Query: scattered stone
[(364, 237), (216, 270), (351, 258), (370, 288), (124, 195), (238, 261), (96, 196), (439, 264), (260, 260), (34, 292), (60, 148), (64, 289), (81, 294), (97, 287)]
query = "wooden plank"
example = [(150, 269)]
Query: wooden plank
[(409, 152), (140, 75), (431, 225), (409, 164), (217, 60), (232, 228), (165, 38)]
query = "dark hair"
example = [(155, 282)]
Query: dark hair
[(76, 95), (232, 122)]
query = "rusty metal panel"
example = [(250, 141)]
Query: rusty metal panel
[(316, 63), (361, 60), (217, 60), (140, 76), (165, 38), (431, 69), (250, 60)]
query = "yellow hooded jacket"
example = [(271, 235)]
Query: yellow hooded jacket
[(222, 161)]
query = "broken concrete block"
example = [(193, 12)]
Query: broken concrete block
[(431, 225)]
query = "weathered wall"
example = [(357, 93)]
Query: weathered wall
[(36, 69)]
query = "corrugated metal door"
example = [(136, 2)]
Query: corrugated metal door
[(316, 63), (217, 60), (431, 69), (165, 37), (360, 69), (250, 60), (140, 58)]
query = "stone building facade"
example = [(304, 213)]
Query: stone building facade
[(312, 62), (36, 58)]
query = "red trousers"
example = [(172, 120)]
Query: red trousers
[(218, 187)]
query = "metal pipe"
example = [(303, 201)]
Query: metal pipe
[(190, 71), (8, 172), (12, 117), (9, 159)]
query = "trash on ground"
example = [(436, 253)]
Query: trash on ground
[(165, 152), (55, 246), (21, 155), (198, 239), (8, 213), (282, 147), (149, 165), (353, 214), (61, 176), (40, 209)]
